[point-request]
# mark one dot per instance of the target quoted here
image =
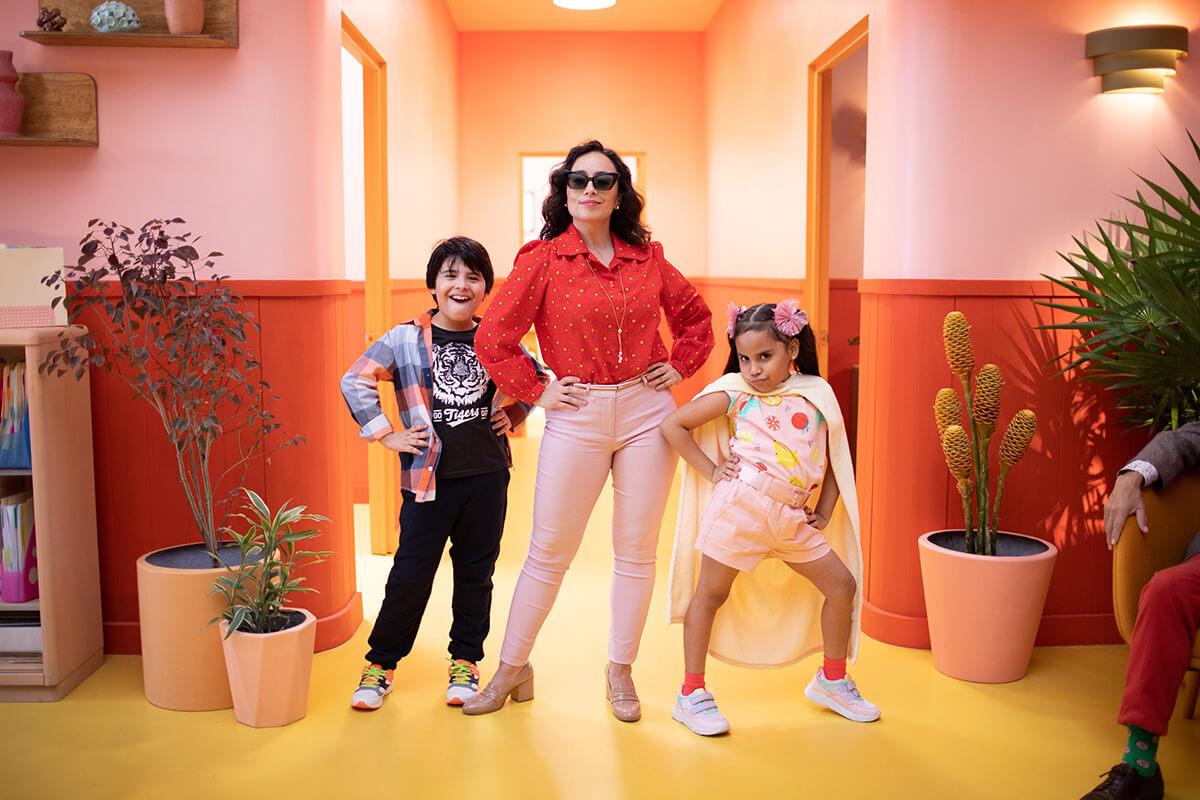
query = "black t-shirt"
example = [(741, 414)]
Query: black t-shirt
[(462, 403)]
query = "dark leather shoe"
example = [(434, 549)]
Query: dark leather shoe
[(1123, 782)]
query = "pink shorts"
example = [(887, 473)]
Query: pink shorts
[(741, 526)]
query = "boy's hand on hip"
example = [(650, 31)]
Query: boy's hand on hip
[(727, 470), (661, 376), (413, 440), (501, 423)]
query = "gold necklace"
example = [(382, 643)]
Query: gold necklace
[(613, 305)]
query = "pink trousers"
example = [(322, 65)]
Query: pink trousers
[(617, 431)]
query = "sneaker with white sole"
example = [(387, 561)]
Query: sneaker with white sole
[(374, 685), (841, 696), (698, 711), (464, 682)]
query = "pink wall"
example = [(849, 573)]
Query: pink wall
[(757, 54), (418, 40), (992, 154), (243, 144), (544, 92)]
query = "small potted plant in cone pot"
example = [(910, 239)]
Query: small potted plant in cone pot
[(162, 320), (268, 647), (984, 588)]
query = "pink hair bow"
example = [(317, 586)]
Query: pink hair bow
[(734, 312), (789, 318)]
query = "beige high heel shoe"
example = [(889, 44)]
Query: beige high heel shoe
[(625, 704), (492, 698)]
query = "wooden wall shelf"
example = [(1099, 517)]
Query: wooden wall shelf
[(60, 111), (220, 27)]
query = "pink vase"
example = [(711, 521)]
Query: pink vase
[(184, 16), (12, 104)]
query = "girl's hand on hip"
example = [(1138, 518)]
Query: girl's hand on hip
[(413, 440), (727, 470), (501, 423), (661, 376), (563, 395), (816, 519)]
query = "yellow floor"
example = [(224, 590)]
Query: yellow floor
[(1047, 736)]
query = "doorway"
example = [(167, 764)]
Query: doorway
[(837, 136), (367, 244)]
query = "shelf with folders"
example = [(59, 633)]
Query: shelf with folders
[(50, 629)]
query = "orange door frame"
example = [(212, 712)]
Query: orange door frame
[(816, 270), (381, 463)]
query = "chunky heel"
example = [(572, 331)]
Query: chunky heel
[(523, 692)]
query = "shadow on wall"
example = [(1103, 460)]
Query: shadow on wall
[(1077, 451), (849, 128)]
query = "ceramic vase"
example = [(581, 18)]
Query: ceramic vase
[(185, 16), (12, 103)]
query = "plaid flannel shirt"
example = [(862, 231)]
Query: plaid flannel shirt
[(404, 356)]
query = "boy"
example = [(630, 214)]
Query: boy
[(454, 458)]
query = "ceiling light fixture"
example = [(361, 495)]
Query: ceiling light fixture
[(1136, 59), (585, 5)]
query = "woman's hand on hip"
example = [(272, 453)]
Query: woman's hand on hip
[(413, 440), (661, 376), (563, 395)]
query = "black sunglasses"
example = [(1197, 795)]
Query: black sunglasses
[(603, 181)]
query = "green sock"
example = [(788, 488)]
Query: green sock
[(1142, 750)]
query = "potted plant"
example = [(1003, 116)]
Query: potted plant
[(1135, 317), (268, 647), (163, 321), (984, 588)]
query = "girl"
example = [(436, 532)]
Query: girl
[(788, 449)]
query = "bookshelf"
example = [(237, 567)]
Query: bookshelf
[(64, 500)]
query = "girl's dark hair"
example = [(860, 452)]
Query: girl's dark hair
[(762, 318), (470, 252), (626, 221)]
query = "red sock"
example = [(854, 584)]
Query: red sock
[(835, 668), (692, 682)]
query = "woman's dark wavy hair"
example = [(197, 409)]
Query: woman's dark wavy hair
[(762, 318), (626, 221)]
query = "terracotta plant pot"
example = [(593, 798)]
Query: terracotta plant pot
[(269, 672), (185, 16), (12, 102), (984, 611), (183, 668)]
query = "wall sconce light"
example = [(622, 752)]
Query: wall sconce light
[(1136, 59)]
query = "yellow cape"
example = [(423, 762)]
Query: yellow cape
[(773, 616)]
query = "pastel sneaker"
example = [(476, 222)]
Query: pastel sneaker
[(374, 685), (698, 711), (841, 696), (464, 682)]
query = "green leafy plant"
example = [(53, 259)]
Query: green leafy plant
[(162, 320), (256, 590), (965, 444), (1137, 315)]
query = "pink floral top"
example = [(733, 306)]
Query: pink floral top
[(784, 436)]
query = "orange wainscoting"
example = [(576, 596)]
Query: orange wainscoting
[(141, 506), (1055, 493)]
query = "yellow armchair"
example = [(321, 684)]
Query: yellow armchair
[(1173, 516)]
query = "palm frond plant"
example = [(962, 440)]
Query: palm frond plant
[(255, 591), (1136, 283), (966, 443), (165, 323)]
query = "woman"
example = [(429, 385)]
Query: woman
[(593, 286)]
